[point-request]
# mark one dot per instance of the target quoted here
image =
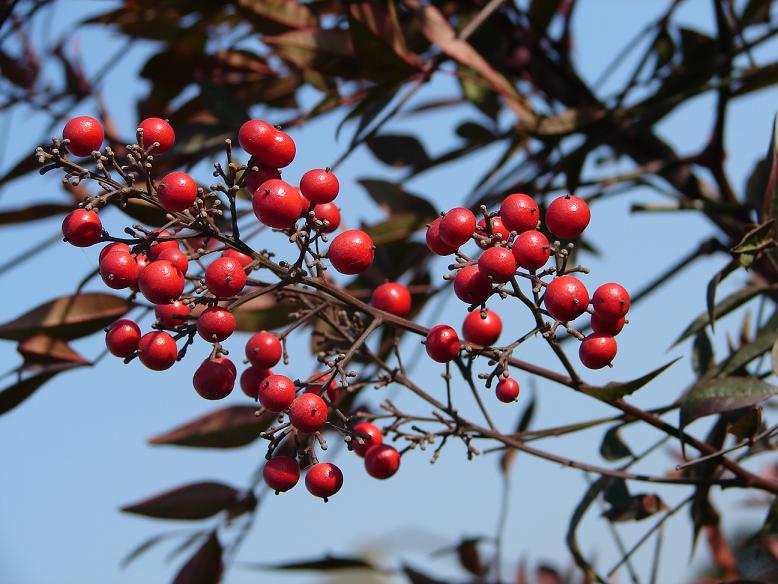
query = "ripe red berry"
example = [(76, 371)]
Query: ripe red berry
[(607, 326), (243, 259), (225, 277), (471, 285), (531, 250), (323, 480), (160, 282), (255, 178), (442, 343), (263, 350), (215, 324), (176, 257), (122, 337), (597, 351), (281, 473), (82, 228), (308, 413), (482, 331), (435, 243), (329, 212), (171, 315), (215, 378), (611, 301), (157, 248), (567, 216), (157, 350), (316, 382), (119, 270), (256, 136), (374, 438), (500, 233), (351, 252), (497, 263), (114, 246), (507, 390), (176, 192), (319, 186), (85, 135), (566, 298), (157, 130), (251, 378), (457, 227), (277, 204), (280, 151), (519, 212), (142, 261), (382, 461), (276, 393), (393, 298)]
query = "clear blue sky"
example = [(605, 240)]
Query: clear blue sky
[(76, 451)]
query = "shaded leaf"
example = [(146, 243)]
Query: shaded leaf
[(750, 350), (325, 564), (485, 99), (398, 227), (394, 199), (756, 239), (470, 558), (273, 15), (416, 577), (747, 425), (13, 395), (542, 11), (769, 207), (328, 51), (702, 354), (638, 507), (710, 293), (229, 427), (194, 501), (398, 150), (205, 566), (724, 394), (147, 544), (617, 389), (612, 446), (756, 11), (33, 213), (663, 48), (263, 313), (43, 349)]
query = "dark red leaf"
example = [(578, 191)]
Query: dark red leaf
[(225, 428), (195, 501), (12, 396), (43, 349), (33, 213), (205, 566)]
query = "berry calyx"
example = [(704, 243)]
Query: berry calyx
[(351, 252), (567, 216), (442, 343), (323, 480), (157, 350), (276, 393), (119, 270), (256, 136), (82, 228), (393, 298), (531, 250), (159, 131), (328, 212), (457, 227), (122, 337), (374, 438), (308, 413), (434, 242), (611, 301), (176, 192), (607, 326), (471, 285), (566, 298), (251, 378), (215, 324), (85, 135), (263, 350), (171, 315), (225, 277), (500, 233), (382, 461), (507, 390), (482, 331), (160, 282), (597, 351), (319, 186), (277, 204), (215, 378), (498, 264), (519, 212), (281, 473), (176, 257)]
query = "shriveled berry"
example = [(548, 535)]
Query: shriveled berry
[(85, 135), (114, 246), (82, 228), (597, 351), (176, 257), (375, 438), (382, 461), (171, 315), (435, 243), (215, 378), (393, 298), (157, 350), (263, 350), (323, 480), (281, 473), (215, 324), (567, 216), (457, 227), (251, 378), (497, 263), (319, 186), (280, 151), (160, 282), (531, 250), (308, 413), (328, 212), (157, 130), (254, 178), (225, 277), (256, 137), (500, 233), (607, 326), (519, 212), (482, 331), (611, 301), (277, 204), (351, 252), (442, 343), (276, 393), (471, 285), (176, 192), (119, 270), (122, 337), (566, 298), (316, 382), (507, 390)]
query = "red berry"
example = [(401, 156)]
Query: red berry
[(566, 298), (382, 461), (225, 277), (157, 350), (263, 350), (393, 298), (606, 326), (254, 178), (323, 480), (157, 248), (256, 136), (279, 152), (277, 204), (122, 337), (160, 282), (82, 228), (434, 242), (243, 259), (319, 186), (597, 351), (442, 343), (215, 324), (567, 216), (519, 212), (482, 331), (471, 285), (500, 233), (611, 301), (374, 438), (457, 227), (119, 270), (531, 250), (215, 378), (308, 413), (498, 263), (351, 252), (281, 473), (171, 315), (142, 261), (316, 382), (175, 257), (176, 192), (251, 378), (507, 390), (157, 130), (329, 212), (85, 135), (115, 246), (276, 393)]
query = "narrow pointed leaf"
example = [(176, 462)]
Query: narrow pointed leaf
[(13, 395), (613, 447), (205, 566), (229, 427), (33, 213), (194, 501), (702, 353), (617, 390), (326, 564)]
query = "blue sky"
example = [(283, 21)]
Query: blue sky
[(76, 451)]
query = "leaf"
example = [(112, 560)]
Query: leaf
[(525, 419), (326, 564), (396, 228), (398, 150), (756, 11), (769, 208), (723, 394), (33, 213), (485, 99), (43, 349), (194, 501), (25, 165), (13, 395), (542, 11), (470, 558), (263, 313), (228, 427), (616, 390), (328, 51), (146, 545), (273, 15), (637, 508), (205, 566), (663, 48), (67, 317), (575, 519), (710, 293), (757, 239), (394, 199), (749, 351), (747, 425), (416, 577), (702, 354), (613, 447)]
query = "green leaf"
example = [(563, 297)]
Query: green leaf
[(394, 199), (13, 395), (617, 390), (756, 239), (193, 501), (746, 353), (326, 564), (724, 394), (33, 213), (710, 293), (397, 227), (702, 354), (398, 150), (228, 427), (612, 446), (205, 566)]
